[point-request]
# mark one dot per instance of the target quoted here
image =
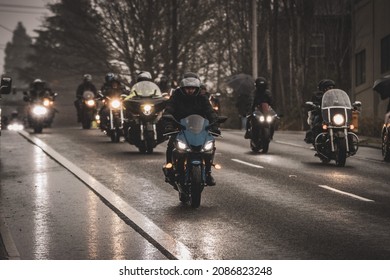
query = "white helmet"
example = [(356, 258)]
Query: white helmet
[(144, 76)]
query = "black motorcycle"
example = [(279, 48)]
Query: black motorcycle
[(261, 127), (386, 139), (144, 108), (193, 147), (88, 109), (40, 111), (336, 141), (111, 116)]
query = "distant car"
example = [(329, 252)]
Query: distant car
[(5, 88)]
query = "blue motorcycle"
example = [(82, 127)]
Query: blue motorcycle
[(193, 147)]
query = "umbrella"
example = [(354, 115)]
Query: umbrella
[(382, 86), (242, 84)]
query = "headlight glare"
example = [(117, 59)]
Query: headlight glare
[(147, 109), (208, 146), (115, 104), (90, 102), (338, 119), (181, 145), (262, 119), (39, 110), (269, 119)]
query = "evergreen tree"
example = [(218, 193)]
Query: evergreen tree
[(69, 45), (16, 53)]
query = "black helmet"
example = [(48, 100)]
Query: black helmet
[(261, 82), (326, 84), (109, 77), (87, 77)]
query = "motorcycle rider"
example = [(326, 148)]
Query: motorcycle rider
[(187, 100), (86, 85), (315, 118), (261, 95), (38, 89), (110, 88)]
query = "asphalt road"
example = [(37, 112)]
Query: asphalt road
[(281, 205)]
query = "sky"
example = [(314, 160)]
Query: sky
[(30, 12)]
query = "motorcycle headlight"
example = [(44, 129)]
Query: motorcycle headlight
[(39, 110), (338, 119), (46, 102), (269, 119), (90, 102), (115, 104), (261, 118), (146, 109), (15, 127), (208, 146), (181, 145)]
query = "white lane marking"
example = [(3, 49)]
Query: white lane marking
[(148, 229), (247, 163), (346, 193), (289, 144)]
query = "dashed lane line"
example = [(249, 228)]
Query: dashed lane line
[(247, 163), (346, 193)]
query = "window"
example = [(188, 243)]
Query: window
[(317, 48), (385, 54), (360, 72)]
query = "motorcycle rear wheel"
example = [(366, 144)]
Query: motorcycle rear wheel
[(196, 186)]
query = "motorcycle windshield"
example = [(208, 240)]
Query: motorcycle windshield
[(336, 101), (195, 131), (146, 89), (88, 94), (336, 98)]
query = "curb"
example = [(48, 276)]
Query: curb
[(11, 252)]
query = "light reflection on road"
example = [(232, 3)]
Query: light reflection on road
[(41, 211)]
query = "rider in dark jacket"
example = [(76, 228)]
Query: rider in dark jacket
[(86, 85), (186, 101), (261, 95), (316, 117)]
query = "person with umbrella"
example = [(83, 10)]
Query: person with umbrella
[(382, 86)]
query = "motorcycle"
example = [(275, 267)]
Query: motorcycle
[(88, 109), (193, 147), (111, 116), (40, 111), (261, 127), (336, 141), (386, 138), (144, 108)]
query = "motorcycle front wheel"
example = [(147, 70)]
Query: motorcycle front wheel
[(341, 152), (115, 136), (196, 186), (386, 146)]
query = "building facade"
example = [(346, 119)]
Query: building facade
[(370, 54)]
